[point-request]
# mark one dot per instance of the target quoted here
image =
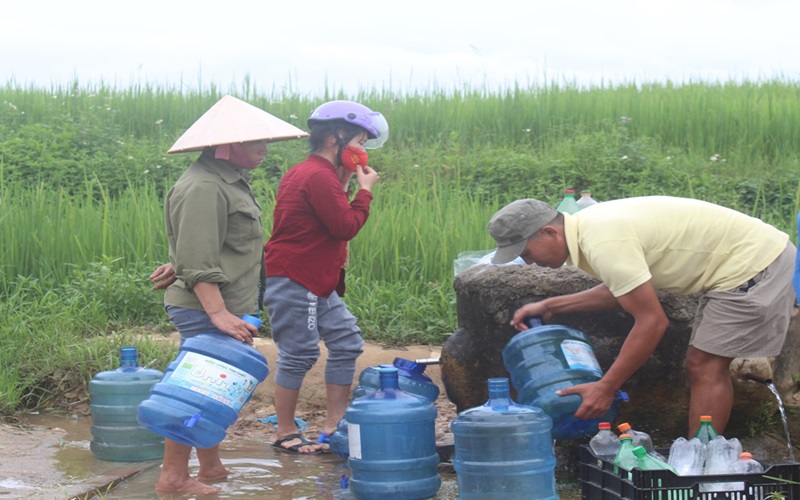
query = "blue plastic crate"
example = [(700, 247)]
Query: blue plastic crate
[(599, 481)]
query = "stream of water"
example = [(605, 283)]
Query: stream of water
[(777, 395)]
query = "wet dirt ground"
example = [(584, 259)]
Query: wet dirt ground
[(47, 456)]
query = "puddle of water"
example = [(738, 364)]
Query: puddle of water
[(259, 471)]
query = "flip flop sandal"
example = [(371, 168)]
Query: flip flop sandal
[(278, 444)]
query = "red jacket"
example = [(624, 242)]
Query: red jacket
[(312, 223)]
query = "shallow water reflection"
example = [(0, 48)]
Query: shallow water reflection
[(259, 471)]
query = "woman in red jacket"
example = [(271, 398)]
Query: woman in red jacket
[(314, 219)]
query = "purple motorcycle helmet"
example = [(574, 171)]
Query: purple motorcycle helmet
[(352, 112)]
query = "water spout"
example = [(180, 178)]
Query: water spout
[(758, 378), (428, 361)]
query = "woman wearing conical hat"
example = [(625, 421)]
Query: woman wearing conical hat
[(314, 219), (213, 224)]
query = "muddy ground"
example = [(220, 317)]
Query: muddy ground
[(27, 451)]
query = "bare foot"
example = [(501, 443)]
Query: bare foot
[(215, 474), (185, 486)]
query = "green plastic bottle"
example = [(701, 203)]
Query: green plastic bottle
[(646, 461), (625, 459), (568, 205), (706, 432)]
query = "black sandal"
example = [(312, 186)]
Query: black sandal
[(295, 448)]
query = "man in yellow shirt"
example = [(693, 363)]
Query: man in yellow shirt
[(741, 266)]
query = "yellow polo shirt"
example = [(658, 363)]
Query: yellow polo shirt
[(681, 245)]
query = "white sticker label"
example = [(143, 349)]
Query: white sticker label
[(214, 378), (354, 439), (579, 356)]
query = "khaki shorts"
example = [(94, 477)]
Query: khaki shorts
[(751, 320)]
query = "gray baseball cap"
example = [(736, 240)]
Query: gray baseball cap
[(513, 224)]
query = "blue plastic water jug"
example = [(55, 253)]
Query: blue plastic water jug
[(203, 390), (504, 450), (392, 440), (115, 394), (411, 379), (544, 359)]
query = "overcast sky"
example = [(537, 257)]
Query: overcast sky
[(306, 45)]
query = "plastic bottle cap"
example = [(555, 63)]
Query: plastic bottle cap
[(745, 454), (625, 436), (624, 427), (569, 191), (705, 418), (252, 320), (604, 425), (639, 451)]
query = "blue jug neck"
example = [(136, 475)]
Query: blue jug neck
[(409, 366), (388, 378), (499, 398), (128, 357)]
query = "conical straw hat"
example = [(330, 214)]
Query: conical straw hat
[(231, 120)]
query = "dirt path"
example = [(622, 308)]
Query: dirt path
[(28, 464)]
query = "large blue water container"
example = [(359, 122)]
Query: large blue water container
[(411, 379), (392, 443), (544, 359), (203, 390), (115, 394), (504, 450)]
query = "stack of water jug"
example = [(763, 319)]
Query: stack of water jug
[(705, 453), (502, 449)]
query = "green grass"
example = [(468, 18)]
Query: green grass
[(83, 174)]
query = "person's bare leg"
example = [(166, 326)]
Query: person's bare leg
[(338, 397), (175, 476), (711, 389), (211, 467), (285, 407)]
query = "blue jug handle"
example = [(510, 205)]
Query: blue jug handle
[(532, 321)]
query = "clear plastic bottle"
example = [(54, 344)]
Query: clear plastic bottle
[(646, 461), (706, 433), (586, 199), (720, 455), (688, 457), (625, 459), (604, 444), (568, 205), (641, 438), (746, 464)]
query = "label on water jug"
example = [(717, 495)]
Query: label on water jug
[(354, 439), (214, 378), (579, 356)]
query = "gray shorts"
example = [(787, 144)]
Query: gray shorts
[(299, 319), (191, 322), (751, 320)]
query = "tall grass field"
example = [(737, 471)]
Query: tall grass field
[(83, 174)]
